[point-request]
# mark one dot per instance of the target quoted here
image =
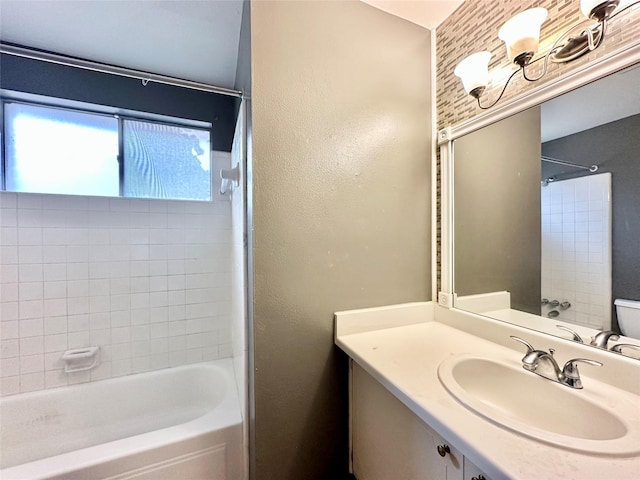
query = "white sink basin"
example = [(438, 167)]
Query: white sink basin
[(585, 420)]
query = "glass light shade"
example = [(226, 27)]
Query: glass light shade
[(474, 71), (521, 33), (588, 6)]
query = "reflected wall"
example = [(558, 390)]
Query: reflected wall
[(497, 210), (615, 148)]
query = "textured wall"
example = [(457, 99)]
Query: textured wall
[(474, 27), (341, 177)]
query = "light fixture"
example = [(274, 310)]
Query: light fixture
[(474, 73), (598, 9), (521, 35)]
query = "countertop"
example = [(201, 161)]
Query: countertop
[(405, 359)]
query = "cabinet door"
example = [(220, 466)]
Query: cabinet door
[(471, 472), (389, 442)]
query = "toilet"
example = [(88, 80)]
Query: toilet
[(628, 317)]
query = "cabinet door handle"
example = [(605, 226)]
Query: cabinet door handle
[(479, 477), (443, 450)]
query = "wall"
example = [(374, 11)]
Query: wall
[(146, 280), (341, 179), (241, 338), (58, 81), (497, 201), (238, 268), (614, 147)]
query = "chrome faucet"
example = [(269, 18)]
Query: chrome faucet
[(601, 339), (544, 364)]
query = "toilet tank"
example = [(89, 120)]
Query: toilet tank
[(628, 312)]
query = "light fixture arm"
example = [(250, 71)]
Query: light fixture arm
[(567, 47), (479, 93), (557, 45), (618, 12), (592, 45), (544, 67)]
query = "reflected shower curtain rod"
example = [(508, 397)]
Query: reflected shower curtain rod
[(145, 77), (592, 168)]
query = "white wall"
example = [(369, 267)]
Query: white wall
[(149, 281), (238, 317), (238, 268)]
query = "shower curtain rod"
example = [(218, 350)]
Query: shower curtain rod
[(145, 77), (592, 168)]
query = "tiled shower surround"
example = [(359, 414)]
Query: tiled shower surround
[(576, 246), (146, 280)]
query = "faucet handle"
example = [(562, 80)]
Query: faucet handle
[(572, 375), (601, 339), (618, 348), (576, 337), (571, 366), (524, 342)]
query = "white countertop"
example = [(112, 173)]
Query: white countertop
[(405, 360)]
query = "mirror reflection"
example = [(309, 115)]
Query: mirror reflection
[(547, 216)]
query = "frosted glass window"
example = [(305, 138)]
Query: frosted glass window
[(80, 152), (50, 150), (166, 161)]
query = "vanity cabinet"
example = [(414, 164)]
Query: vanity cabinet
[(389, 442)]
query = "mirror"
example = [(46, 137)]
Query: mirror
[(547, 214)]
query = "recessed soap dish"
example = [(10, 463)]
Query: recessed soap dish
[(80, 359)]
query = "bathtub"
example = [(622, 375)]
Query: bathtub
[(179, 423)]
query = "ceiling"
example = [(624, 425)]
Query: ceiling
[(426, 13), (191, 39), (606, 100)]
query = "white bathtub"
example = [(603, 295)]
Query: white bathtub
[(179, 423)]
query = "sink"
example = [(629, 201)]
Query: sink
[(586, 420)]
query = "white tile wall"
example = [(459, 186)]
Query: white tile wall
[(149, 281), (239, 324), (576, 248)]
